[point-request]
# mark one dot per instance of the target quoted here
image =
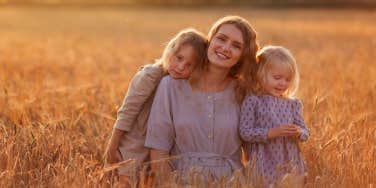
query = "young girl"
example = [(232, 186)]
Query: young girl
[(271, 121), (185, 51)]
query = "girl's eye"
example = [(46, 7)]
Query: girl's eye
[(277, 77), (221, 39), (179, 57)]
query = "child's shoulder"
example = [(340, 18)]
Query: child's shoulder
[(251, 99), (266, 99), (149, 73), (297, 103), (152, 69)]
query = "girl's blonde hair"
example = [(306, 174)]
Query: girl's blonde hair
[(271, 55), (244, 70), (187, 36)]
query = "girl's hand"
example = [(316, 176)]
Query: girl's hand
[(288, 130), (118, 156), (113, 153), (297, 131), (113, 156)]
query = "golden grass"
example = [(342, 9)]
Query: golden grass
[(64, 72)]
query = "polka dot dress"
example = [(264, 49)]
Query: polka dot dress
[(274, 157)]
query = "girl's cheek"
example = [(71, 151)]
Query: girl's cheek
[(169, 69)]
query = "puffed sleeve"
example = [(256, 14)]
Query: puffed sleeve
[(299, 121), (248, 130), (142, 85), (160, 131)]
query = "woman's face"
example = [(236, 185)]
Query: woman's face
[(226, 46)]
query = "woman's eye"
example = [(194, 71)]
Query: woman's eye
[(237, 46)]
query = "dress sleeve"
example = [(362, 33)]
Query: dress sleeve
[(299, 121), (248, 130), (160, 131), (140, 89)]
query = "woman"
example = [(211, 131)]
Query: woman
[(198, 119)]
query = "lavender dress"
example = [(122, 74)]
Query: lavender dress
[(201, 128), (278, 156)]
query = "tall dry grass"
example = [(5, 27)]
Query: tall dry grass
[(64, 72)]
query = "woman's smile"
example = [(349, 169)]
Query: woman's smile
[(226, 46)]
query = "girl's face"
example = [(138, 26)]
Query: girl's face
[(182, 62), (226, 47), (277, 79)]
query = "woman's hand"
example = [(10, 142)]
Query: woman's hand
[(288, 130), (160, 167)]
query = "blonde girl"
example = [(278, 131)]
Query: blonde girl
[(185, 51), (271, 121)]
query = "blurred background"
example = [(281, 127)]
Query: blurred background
[(65, 66), (307, 3)]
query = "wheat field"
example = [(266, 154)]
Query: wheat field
[(64, 72)]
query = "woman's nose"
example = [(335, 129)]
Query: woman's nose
[(225, 47)]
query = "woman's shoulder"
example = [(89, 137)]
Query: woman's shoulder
[(168, 81)]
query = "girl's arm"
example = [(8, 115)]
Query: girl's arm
[(248, 130), (299, 121), (140, 89), (113, 153)]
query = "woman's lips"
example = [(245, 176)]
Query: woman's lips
[(222, 56)]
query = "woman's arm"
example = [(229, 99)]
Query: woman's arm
[(160, 135), (159, 164), (160, 129)]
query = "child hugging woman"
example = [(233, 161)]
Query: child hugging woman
[(181, 55), (271, 121)]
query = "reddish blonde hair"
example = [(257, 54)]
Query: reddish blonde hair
[(244, 71)]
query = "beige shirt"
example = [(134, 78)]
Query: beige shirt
[(133, 114), (136, 106)]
